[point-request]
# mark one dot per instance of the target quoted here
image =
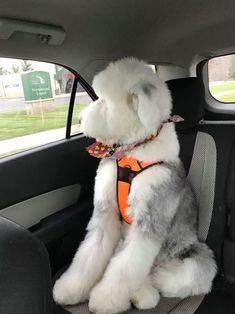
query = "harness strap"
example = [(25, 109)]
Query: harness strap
[(127, 169)]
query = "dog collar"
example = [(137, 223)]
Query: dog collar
[(100, 150)]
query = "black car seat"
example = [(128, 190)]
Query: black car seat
[(24, 272)]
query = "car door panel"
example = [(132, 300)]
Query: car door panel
[(46, 168), (31, 211), (58, 177)]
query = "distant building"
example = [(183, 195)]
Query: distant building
[(64, 78), (220, 69), (11, 85)]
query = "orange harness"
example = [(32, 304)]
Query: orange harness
[(128, 169)]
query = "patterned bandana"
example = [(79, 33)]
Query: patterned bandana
[(100, 150)]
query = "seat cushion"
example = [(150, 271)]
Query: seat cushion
[(165, 306)]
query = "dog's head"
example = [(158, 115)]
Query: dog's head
[(133, 103)]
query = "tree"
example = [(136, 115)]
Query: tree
[(26, 66), (3, 71), (15, 69)]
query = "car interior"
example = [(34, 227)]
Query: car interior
[(46, 193)]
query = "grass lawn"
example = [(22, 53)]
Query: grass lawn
[(18, 123), (221, 87), (226, 98)]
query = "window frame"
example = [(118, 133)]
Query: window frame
[(90, 91), (213, 104)]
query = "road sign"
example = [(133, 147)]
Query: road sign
[(36, 85)]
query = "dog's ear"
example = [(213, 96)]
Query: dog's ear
[(144, 98)]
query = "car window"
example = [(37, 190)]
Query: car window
[(82, 99), (34, 103), (221, 73)]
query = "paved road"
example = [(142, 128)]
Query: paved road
[(15, 104)]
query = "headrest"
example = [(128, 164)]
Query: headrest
[(188, 101)]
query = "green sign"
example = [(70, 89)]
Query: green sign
[(36, 85)]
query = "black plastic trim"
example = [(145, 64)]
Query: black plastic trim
[(57, 225), (71, 106), (90, 91)]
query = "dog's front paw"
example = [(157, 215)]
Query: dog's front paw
[(145, 298), (108, 299), (69, 290)]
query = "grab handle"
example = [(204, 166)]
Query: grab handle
[(53, 35)]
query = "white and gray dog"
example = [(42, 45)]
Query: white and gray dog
[(157, 250)]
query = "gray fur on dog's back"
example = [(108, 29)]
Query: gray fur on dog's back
[(179, 230), (182, 232), (179, 237), (178, 233)]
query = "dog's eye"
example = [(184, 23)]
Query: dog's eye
[(148, 89)]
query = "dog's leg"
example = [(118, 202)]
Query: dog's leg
[(146, 297), (96, 250), (190, 276), (126, 272)]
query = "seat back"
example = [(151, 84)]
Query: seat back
[(198, 149), (24, 272)]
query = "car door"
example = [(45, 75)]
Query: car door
[(46, 175)]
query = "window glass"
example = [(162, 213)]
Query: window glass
[(82, 99), (221, 72), (34, 102)]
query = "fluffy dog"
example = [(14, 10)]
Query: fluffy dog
[(158, 251)]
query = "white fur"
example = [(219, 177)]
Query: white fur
[(176, 274), (146, 297), (164, 147), (119, 122), (97, 248), (140, 193), (125, 273), (114, 262), (183, 278)]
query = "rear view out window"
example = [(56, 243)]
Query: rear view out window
[(221, 72), (34, 103)]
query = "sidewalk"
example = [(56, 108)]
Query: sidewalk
[(226, 92), (29, 141)]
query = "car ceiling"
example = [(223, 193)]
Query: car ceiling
[(159, 31)]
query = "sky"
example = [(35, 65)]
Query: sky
[(7, 64)]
